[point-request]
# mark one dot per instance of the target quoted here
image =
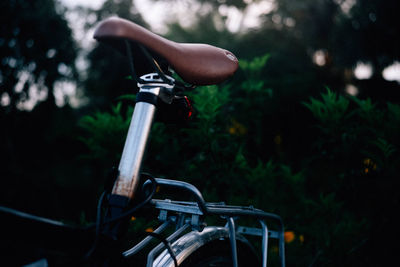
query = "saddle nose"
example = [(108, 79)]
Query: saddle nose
[(197, 64)]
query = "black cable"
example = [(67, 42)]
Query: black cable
[(138, 206), (130, 211), (99, 224), (98, 213), (167, 244)]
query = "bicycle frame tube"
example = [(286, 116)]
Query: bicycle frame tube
[(135, 144)]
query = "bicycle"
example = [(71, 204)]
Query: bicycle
[(192, 243)]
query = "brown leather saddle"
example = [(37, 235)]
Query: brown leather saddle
[(197, 64)]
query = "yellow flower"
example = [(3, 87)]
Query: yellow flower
[(237, 128), (301, 238), (289, 236), (367, 161), (369, 165), (133, 218), (149, 230), (232, 130)]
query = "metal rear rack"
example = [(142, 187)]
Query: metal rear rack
[(184, 215)]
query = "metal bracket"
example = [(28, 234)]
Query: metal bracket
[(153, 80)]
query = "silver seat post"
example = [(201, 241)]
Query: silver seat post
[(139, 130), (135, 144), (132, 155)]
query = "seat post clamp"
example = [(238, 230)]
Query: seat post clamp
[(154, 87)]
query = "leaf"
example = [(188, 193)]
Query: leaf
[(385, 147), (255, 65), (332, 108)]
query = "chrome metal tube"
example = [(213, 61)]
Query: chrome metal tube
[(189, 243), (264, 244), (188, 188), (232, 238), (144, 242), (282, 246), (135, 144), (171, 238)]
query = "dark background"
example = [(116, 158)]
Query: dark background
[(284, 135)]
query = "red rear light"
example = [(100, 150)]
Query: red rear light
[(178, 112), (189, 106)]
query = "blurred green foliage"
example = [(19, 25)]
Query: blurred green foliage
[(337, 202), (100, 127)]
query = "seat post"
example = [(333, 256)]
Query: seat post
[(131, 160), (136, 140)]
